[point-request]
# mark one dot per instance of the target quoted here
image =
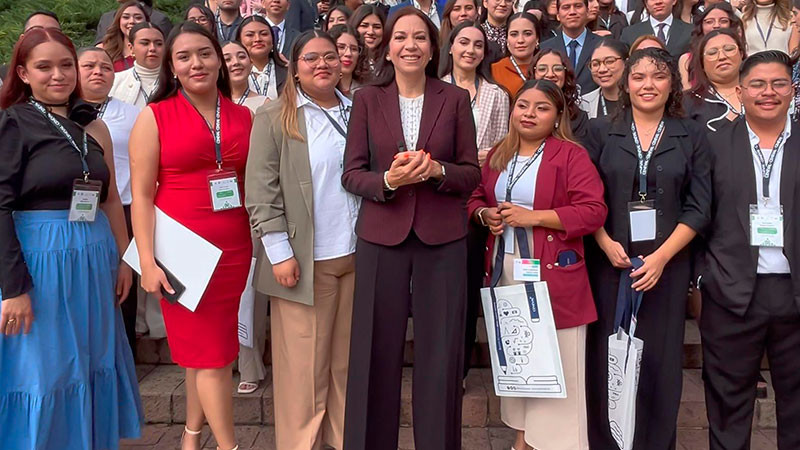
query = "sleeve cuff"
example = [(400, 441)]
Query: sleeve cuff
[(277, 246)]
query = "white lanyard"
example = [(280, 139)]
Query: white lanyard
[(516, 66)]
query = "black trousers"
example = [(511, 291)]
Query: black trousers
[(476, 251), (732, 350), (129, 305), (430, 283)]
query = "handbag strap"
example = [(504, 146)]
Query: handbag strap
[(521, 235), (628, 299)]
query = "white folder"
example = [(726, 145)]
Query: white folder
[(189, 257)]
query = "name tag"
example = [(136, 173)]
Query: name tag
[(85, 200), (527, 270), (643, 220), (224, 189), (766, 226)]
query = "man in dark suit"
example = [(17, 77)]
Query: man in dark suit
[(575, 40), (662, 24), (276, 12), (157, 18), (302, 15), (750, 269)]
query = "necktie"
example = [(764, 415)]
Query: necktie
[(573, 54), (276, 31), (661, 35)]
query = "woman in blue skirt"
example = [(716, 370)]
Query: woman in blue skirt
[(67, 378)]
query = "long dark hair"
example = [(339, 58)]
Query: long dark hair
[(697, 30), (663, 61), (697, 71), (484, 69), (447, 26), (342, 9), (168, 83), (142, 26), (384, 72), (537, 26), (361, 71), (273, 53), (205, 11), (570, 88), (114, 39), (361, 13)]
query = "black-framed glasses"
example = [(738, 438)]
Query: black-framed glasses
[(714, 53), (608, 61), (201, 20), (342, 48), (313, 59), (781, 86), (542, 69)]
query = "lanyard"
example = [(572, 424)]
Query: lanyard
[(333, 121), (769, 31), (516, 67), (244, 96), (477, 86), (644, 160), (83, 153), (719, 96), (216, 131), (603, 104), (263, 87), (101, 110), (513, 181), (141, 86), (231, 28), (766, 166), (605, 22)]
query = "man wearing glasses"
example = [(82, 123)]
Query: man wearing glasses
[(751, 295)]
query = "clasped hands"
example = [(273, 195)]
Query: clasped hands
[(647, 276), (507, 213), (412, 167)]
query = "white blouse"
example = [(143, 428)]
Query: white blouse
[(258, 81), (410, 116), (522, 193), (119, 117), (777, 37)]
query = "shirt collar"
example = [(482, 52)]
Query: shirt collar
[(581, 38), (654, 22), (754, 139), (419, 7), (302, 100), (273, 24)]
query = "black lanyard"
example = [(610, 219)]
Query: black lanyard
[(216, 131), (603, 104), (244, 96), (516, 66), (477, 86), (342, 114), (644, 160), (769, 31), (262, 88), (141, 86), (83, 153), (766, 166), (101, 110), (511, 180)]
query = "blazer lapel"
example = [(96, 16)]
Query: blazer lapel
[(431, 107), (622, 128), (672, 130), (298, 153), (789, 175), (586, 52), (744, 170), (390, 107), (546, 177)]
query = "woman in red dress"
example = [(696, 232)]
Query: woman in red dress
[(173, 153)]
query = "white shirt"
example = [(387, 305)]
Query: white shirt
[(667, 22), (770, 259), (410, 116), (522, 193), (335, 210), (119, 117), (432, 14), (254, 102), (264, 79)]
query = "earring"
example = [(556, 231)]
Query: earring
[(556, 124)]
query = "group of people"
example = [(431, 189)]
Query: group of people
[(378, 170)]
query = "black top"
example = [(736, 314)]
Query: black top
[(611, 106), (38, 168), (710, 113), (580, 126), (678, 178), (615, 23)]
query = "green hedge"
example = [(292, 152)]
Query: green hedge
[(78, 18)]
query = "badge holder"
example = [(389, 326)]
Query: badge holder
[(642, 216), (766, 226), (85, 200), (223, 186)]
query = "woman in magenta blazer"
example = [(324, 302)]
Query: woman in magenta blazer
[(411, 156), (556, 196)]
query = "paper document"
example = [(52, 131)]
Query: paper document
[(188, 256), (247, 309)]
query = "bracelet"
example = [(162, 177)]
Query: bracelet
[(480, 215), (386, 184)]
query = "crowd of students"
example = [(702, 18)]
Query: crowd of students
[(378, 169)]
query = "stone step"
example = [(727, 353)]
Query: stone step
[(163, 397)]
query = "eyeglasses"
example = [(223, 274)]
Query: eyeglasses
[(723, 22), (781, 86), (542, 69), (202, 20), (714, 53), (342, 48), (313, 59), (607, 61)]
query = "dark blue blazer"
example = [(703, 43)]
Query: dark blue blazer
[(583, 76)]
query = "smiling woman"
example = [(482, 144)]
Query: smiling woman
[(116, 41)]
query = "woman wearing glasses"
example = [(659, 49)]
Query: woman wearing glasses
[(714, 99), (353, 58), (268, 71), (714, 17), (202, 16), (550, 64), (305, 221), (607, 63), (522, 41), (652, 162)]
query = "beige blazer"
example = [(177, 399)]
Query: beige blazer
[(278, 197)]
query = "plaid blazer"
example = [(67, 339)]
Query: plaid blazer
[(491, 114)]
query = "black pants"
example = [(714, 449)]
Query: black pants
[(476, 252), (129, 305), (381, 307), (732, 350)]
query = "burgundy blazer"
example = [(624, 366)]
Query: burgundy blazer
[(436, 211), (569, 184)]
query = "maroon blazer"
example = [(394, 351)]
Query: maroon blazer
[(436, 211), (569, 184)]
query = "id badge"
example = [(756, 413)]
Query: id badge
[(766, 226), (527, 270), (85, 200), (643, 220), (224, 189)]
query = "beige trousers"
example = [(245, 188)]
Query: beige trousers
[(310, 354)]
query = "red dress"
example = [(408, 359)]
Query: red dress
[(207, 337)]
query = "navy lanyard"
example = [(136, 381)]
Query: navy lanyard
[(262, 89), (216, 131), (141, 86), (244, 96), (761, 32), (644, 160), (766, 166), (511, 180), (477, 86), (83, 153), (222, 36), (519, 72), (342, 114)]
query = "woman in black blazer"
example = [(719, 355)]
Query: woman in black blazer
[(677, 181), (411, 156)]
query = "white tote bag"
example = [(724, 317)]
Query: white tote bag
[(624, 363)]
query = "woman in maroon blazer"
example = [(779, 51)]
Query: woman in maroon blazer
[(556, 196), (411, 156)]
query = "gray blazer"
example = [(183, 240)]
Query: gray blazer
[(278, 197)]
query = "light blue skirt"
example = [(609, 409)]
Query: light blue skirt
[(70, 384)]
